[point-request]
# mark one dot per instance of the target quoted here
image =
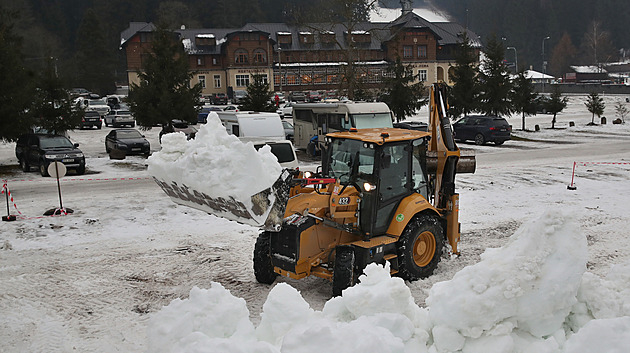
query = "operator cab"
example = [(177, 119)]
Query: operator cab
[(384, 165)]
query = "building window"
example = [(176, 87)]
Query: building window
[(240, 56), (214, 61), (260, 56), (200, 61), (217, 81), (202, 80), (242, 80), (407, 51), (422, 75), (422, 51), (264, 79)]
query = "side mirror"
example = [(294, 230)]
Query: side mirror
[(76, 145)]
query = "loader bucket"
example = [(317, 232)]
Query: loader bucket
[(264, 209)]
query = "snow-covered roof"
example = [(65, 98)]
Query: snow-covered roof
[(205, 35), (589, 69), (284, 33), (531, 74), (305, 33)]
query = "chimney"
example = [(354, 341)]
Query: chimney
[(406, 6)]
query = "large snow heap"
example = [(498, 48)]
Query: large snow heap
[(531, 295)]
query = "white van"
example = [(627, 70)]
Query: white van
[(261, 129)]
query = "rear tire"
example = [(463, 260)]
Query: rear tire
[(420, 248), (479, 140), (343, 273), (498, 143), (24, 164), (263, 267)]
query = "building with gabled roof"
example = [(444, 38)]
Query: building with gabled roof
[(313, 56)]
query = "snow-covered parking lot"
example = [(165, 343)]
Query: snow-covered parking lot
[(96, 280)]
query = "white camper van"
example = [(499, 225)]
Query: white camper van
[(261, 129)]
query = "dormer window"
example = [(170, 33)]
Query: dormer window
[(284, 38), (205, 39), (306, 38)]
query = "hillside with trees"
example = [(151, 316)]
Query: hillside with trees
[(83, 36)]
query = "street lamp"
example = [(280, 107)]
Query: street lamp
[(515, 59), (544, 64)]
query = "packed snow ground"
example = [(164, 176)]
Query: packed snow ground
[(96, 281)]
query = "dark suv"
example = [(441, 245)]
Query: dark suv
[(90, 119), (482, 129), (39, 150)]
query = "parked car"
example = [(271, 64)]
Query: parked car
[(313, 96), (542, 102), (90, 119), (482, 129), (98, 105), (412, 125), (283, 150), (218, 98), (231, 108), (286, 110), (120, 117), (202, 116), (297, 96), (179, 126), (239, 96), (131, 141), (288, 129), (39, 150)]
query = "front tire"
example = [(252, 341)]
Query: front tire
[(263, 267), (343, 273), (498, 142), (479, 140), (420, 248), (43, 169)]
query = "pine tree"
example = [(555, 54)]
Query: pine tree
[(494, 81), (164, 92), (595, 105), (52, 107), (258, 97), (524, 97), (463, 94), (556, 104), (16, 83), (95, 64), (402, 95)]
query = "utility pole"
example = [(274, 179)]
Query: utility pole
[(544, 64)]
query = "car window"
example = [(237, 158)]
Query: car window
[(55, 142), (128, 134)]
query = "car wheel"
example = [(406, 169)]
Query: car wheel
[(24, 164), (498, 142), (81, 170), (98, 127), (479, 140), (263, 266), (43, 169)]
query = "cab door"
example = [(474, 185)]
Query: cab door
[(393, 185)]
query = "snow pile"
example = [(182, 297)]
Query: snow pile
[(524, 290), (216, 165), (532, 295)]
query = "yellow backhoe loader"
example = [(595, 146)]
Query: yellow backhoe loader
[(380, 195)]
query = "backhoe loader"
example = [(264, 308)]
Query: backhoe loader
[(380, 195)]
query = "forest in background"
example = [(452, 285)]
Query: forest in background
[(83, 36)]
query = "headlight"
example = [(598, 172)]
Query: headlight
[(75, 155), (54, 156), (369, 186), (121, 146), (308, 175)]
